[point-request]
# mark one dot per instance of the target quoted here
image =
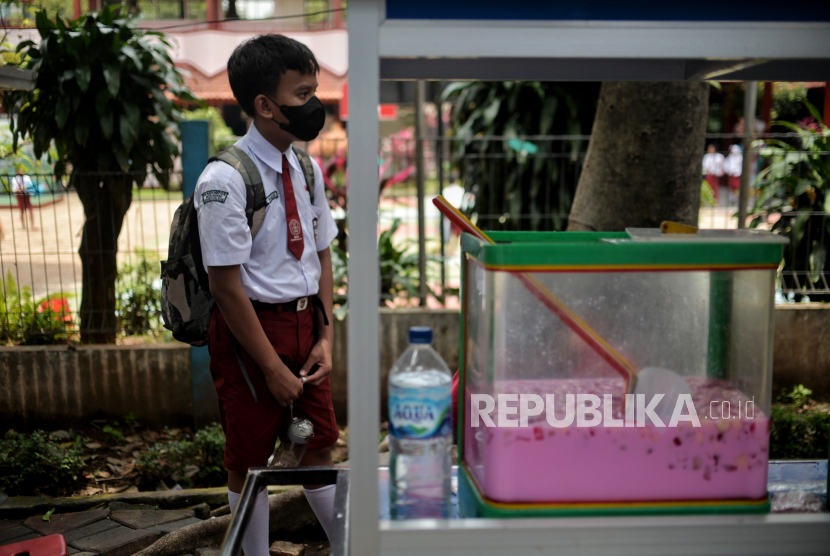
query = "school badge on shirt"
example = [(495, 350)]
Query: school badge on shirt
[(214, 195), (294, 228)]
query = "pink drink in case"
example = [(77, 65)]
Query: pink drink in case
[(580, 313), (725, 458)]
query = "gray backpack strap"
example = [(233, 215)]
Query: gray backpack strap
[(254, 191), (308, 170)]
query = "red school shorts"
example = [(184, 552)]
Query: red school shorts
[(251, 428), (23, 202)]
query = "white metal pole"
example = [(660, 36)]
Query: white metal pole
[(420, 178), (750, 103), (363, 342)]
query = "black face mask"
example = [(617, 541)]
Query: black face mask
[(304, 121)]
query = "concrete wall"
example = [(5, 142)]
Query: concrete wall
[(59, 387), (394, 337), (801, 354)]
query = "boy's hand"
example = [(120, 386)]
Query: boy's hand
[(321, 356), (283, 385)]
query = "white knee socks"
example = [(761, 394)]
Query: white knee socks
[(321, 501), (255, 541)]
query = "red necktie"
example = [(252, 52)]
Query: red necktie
[(292, 218)]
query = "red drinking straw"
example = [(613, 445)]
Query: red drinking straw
[(540, 292)]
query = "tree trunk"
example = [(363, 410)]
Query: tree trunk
[(106, 199), (643, 164)]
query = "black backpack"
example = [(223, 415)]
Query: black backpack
[(186, 302)]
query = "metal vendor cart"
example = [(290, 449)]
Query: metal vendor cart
[(591, 40)]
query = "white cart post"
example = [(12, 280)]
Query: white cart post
[(542, 40)]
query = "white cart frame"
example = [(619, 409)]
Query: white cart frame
[(539, 50)]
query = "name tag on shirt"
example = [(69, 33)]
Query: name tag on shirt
[(272, 197), (214, 195)]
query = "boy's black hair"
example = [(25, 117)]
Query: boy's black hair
[(255, 67)]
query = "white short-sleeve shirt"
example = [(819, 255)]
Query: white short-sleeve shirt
[(269, 271), (713, 163)]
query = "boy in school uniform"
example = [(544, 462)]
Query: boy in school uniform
[(272, 293)]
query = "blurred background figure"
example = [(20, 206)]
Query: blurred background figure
[(732, 168), (713, 169), (461, 200), (21, 188)]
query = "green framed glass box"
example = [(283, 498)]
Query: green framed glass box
[(558, 331)]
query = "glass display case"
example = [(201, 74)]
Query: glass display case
[(560, 331)]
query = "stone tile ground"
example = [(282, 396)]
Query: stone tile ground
[(118, 531), (100, 532)]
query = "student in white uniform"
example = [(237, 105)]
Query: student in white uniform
[(733, 167), (273, 292), (22, 184), (713, 169)]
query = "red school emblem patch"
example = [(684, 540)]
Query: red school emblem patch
[(294, 227)]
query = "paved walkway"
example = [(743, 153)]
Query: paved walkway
[(46, 258), (123, 524), (100, 532)]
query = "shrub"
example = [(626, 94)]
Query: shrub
[(799, 428), (29, 462), (187, 462), (24, 320), (221, 135), (138, 294), (793, 198)]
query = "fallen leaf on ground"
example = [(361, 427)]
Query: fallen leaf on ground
[(125, 489), (131, 447)]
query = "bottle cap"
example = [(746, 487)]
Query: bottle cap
[(301, 431), (420, 335)]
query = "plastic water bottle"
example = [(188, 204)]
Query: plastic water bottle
[(420, 431)]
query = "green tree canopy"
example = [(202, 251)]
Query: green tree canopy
[(104, 95)]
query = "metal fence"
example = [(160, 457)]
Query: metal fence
[(528, 183), (42, 272), (502, 183)]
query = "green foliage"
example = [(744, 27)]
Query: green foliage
[(398, 271), (788, 100), (398, 267), (130, 420), (24, 157), (114, 432), (101, 95), (221, 135), (29, 322), (188, 462), (799, 429), (315, 7), (707, 195), (510, 172), (340, 271), (63, 8), (797, 397), (29, 462), (138, 293), (794, 197)]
